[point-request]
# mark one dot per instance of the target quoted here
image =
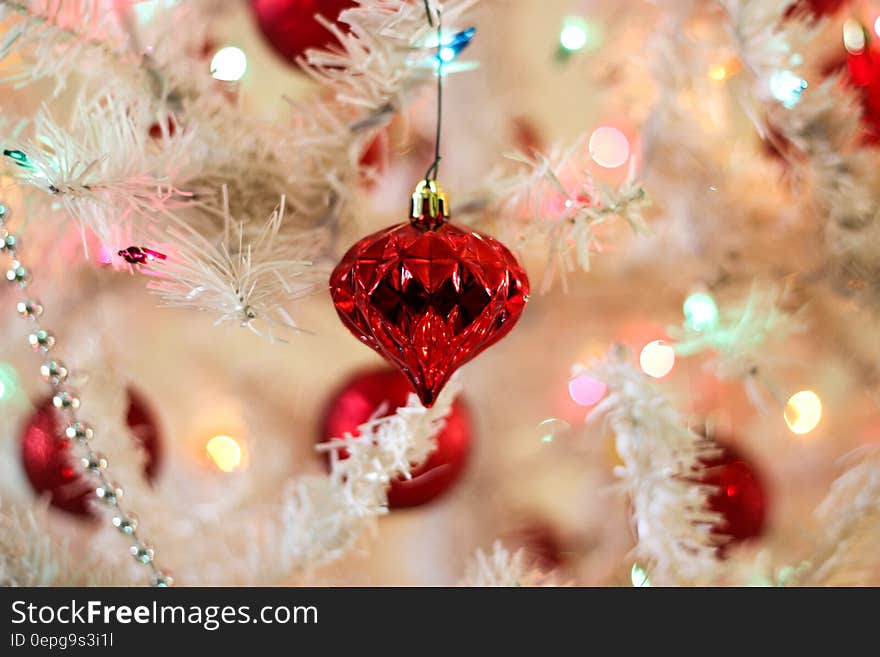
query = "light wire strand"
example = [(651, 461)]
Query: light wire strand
[(431, 173)]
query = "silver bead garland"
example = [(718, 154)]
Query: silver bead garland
[(55, 373)]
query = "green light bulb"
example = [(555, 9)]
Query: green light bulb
[(700, 311), (639, 576), (8, 382)]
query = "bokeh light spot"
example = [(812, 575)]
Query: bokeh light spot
[(700, 311), (585, 390), (803, 412), (657, 359), (229, 64), (225, 452), (609, 147)]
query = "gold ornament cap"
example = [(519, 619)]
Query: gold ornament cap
[(430, 205)]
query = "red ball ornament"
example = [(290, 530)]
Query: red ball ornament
[(49, 462), (356, 402), (740, 497), (290, 26), (429, 296)]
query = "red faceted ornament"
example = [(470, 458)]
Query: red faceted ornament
[(49, 462), (740, 496), (291, 28), (362, 395), (429, 296)]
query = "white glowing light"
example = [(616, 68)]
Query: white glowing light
[(657, 359), (854, 36), (803, 411), (609, 147), (229, 64), (573, 36), (225, 452), (638, 576), (877, 26), (447, 54), (147, 9), (787, 87)]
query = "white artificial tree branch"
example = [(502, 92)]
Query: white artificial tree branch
[(846, 552), (554, 198), (660, 473), (322, 518), (503, 568)]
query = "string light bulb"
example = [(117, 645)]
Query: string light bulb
[(700, 311), (717, 72), (452, 44), (609, 147), (229, 64), (585, 390), (854, 36), (638, 576), (786, 87), (225, 452), (803, 412), (574, 34), (8, 382), (657, 359)]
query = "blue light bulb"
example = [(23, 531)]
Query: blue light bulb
[(452, 47)]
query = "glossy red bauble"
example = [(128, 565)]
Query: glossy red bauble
[(740, 497), (51, 466), (357, 401), (429, 296), (291, 28)]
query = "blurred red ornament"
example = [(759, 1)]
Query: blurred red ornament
[(777, 145), (51, 466), (541, 543), (290, 26), (429, 296), (526, 136), (156, 131), (863, 69), (740, 497), (357, 401), (375, 157), (815, 8)]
